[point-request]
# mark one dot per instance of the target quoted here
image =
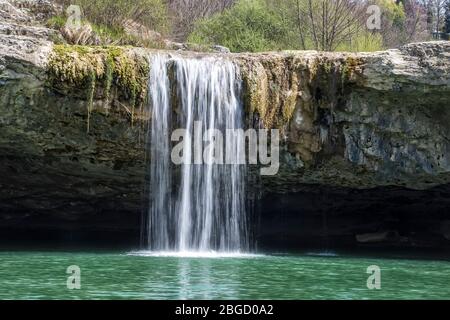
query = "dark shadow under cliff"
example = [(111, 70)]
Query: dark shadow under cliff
[(316, 218), (326, 218)]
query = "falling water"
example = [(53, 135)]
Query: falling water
[(198, 206), (160, 215)]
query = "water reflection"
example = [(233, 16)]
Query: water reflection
[(184, 268), (198, 279)]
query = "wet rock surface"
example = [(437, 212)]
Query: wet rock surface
[(356, 120)]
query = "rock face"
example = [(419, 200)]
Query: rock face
[(56, 177), (365, 119), (356, 126)]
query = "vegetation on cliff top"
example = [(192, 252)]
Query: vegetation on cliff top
[(247, 26), (259, 25), (263, 25), (152, 14), (106, 22)]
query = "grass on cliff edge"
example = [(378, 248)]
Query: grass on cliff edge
[(152, 14)]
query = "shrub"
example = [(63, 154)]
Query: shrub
[(113, 13), (248, 26), (363, 42), (265, 25)]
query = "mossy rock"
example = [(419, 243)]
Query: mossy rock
[(81, 70), (74, 67)]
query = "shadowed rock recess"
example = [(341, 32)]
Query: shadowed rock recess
[(365, 158)]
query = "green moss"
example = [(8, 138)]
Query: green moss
[(289, 107), (74, 65), (314, 68), (91, 91), (109, 73), (351, 66), (84, 67), (328, 66)]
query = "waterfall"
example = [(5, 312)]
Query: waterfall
[(198, 205), (160, 212)]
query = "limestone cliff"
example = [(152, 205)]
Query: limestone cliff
[(357, 120)]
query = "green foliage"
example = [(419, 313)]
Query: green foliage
[(394, 22), (109, 35), (363, 42), (56, 22), (106, 33), (266, 25), (393, 12), (153, 14), (118, 36), (248, 26)]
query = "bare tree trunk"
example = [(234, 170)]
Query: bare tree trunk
[(187, 12), (300, 29), (313, 25)]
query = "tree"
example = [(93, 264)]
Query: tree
[(250, 25), (393, 22), (447, 17), (438, 7), (416, 21), (332, 22), (187, 12), (326, 25), (428, 4)]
